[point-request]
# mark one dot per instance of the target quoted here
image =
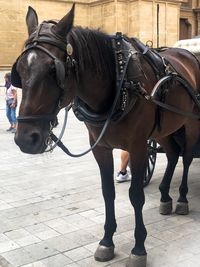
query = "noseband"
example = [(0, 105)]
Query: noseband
[(44, 35)]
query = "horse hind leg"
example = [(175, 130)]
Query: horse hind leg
[(104, 158), (172, 151), (191, 138), (182, 207)]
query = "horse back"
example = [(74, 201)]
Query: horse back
[(185, 64)]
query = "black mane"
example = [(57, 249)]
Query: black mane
[(93, 48)]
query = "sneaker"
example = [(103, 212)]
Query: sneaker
[(13, 130), (122, 177), (9, 129)]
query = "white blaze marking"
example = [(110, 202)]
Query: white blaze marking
[(32, 56)]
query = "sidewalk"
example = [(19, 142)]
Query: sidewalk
[(52, 210)]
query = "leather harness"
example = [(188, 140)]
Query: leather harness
[(127, 91)]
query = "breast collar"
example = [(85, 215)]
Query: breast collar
[(126, 90)]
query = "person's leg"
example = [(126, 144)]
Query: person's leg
[(8, 114), (123, 175), (124, 161), (13, 119)]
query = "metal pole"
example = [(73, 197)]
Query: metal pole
[(158, 10)]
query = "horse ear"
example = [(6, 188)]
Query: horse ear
[(31, 20), (66, 23)]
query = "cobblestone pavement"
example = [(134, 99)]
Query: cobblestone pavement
[(52, 211)]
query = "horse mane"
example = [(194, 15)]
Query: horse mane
[(93, 48)]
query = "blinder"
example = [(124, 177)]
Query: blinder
[(15, 78), (59, 66), (46, 35)]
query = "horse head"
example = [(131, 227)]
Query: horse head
[(42, 72)]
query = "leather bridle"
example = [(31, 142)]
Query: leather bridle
[(33, 43)]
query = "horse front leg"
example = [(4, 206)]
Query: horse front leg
[(104, 158), (138, 161)]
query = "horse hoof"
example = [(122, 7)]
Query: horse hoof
[(104, 253), (182, 208), (136, 261), (165, 208)]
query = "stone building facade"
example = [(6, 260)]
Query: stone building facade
[(160, 21), (189, 19)]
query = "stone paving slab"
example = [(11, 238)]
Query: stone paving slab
[(52, 211)]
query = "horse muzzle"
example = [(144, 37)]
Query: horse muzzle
[(31, 140)]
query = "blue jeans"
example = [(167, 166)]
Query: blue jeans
[(11, 112)]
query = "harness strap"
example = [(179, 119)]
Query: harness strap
[(48, 117), (193, 94), (175, 110), (126, 87)]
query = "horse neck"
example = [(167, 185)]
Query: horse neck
[(96, 67)]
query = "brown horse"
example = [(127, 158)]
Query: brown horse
[(61, 64)]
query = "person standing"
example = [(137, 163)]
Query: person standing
[(11, 103)]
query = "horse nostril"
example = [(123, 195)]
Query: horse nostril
[(35, 138)]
